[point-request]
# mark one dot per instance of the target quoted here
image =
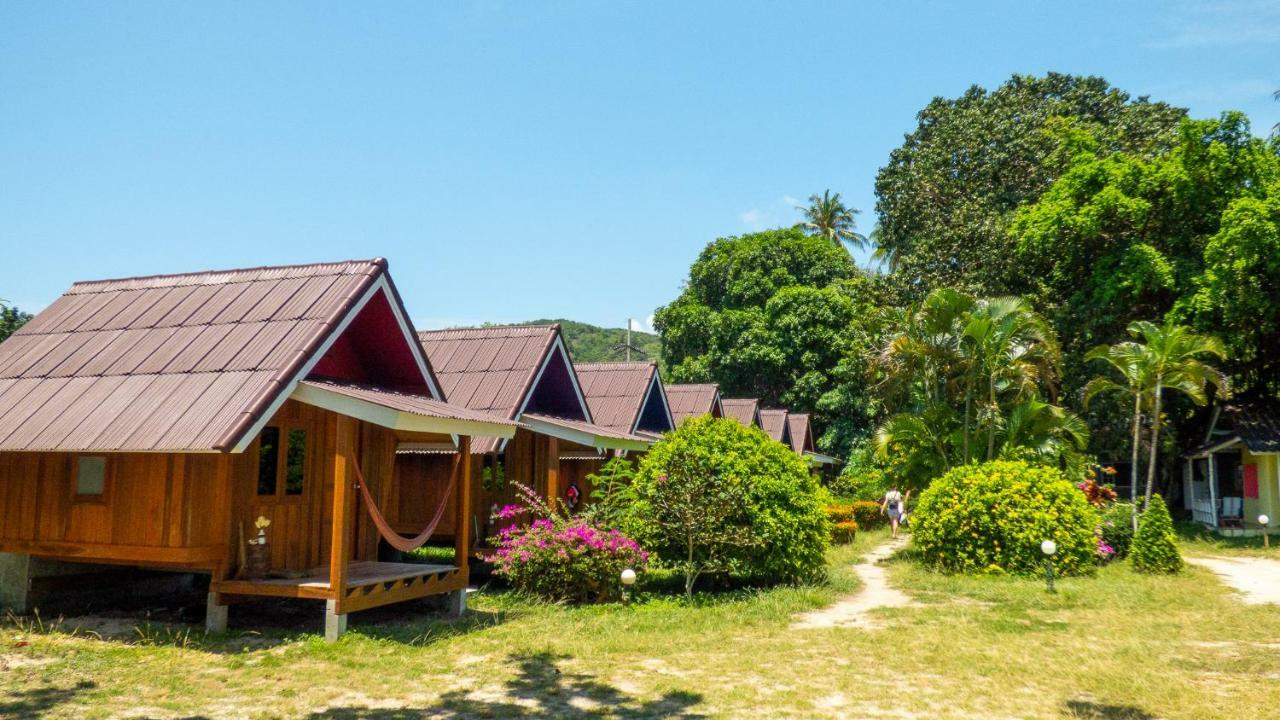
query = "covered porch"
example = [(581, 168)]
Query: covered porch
[(353, 468)]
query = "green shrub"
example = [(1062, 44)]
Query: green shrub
[(844, 531), (868, 515), (1155, 546), (763, 515), (1117, 527), (992, 518), (840, 518), (861, 482)]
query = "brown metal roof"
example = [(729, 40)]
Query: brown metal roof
[(603, 435), (692, 400), (168, 363), (774, 422), (489, 368), (616, 391), (412, 403), (745, 410), (801, 432)]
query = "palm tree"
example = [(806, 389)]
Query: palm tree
[(1045, 432), (1012, 351), (1173, 361), (828, 216), (1129, 359)]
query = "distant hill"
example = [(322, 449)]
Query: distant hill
[(591, 343)]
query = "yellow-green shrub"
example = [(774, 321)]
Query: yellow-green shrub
[(992, 518)]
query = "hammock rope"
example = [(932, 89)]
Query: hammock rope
[(388, 533)]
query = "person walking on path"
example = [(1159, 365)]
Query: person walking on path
[(894, 504)]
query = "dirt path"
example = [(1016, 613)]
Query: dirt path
[(855, 610), (1257, 578)]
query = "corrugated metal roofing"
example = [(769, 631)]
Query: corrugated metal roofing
[(488, 368), (1253, 421), (774, 422), (616, 391), (744, 410), (406, 402), (167, 363), (801, 432), (589, 428), (691, 400)]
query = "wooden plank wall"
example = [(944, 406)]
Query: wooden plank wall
[(154, 504)]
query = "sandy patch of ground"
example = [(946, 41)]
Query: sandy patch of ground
[(855, 611), (1258, 579)]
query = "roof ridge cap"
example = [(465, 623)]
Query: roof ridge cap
[(377, 261)]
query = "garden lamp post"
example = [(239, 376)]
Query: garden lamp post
[(1264, 521), (628, 579), (1049, 548)]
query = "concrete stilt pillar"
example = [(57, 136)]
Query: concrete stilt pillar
[(15, 582), (215, 615), (457, 606), (335, 623)]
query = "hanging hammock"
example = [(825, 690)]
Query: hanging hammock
[(388, 533)]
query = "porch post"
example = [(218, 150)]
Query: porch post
[(335, 621), (1213, 490), (553, 470), (462, 538)]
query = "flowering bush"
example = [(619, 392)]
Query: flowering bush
[(562, 557), (867, 514), (1116, 527), (843, 526), (1097, 494), (991, 518)]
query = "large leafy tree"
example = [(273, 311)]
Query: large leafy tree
[(780, 315), (11, 318), (828, 216), (946, 196), (1191, 234)]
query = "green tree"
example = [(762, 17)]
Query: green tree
[(1172, 360), (1129, 360), (1155, 546), (11, 318), (783, 316), (958, 368), (945, 198), (828, 217)]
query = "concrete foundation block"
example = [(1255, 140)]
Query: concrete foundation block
[(335, 623)]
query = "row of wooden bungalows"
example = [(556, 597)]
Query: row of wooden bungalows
[(158, 422)]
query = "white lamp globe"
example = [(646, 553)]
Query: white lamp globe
[(1048, 547), (1264, 520), (628, 577)]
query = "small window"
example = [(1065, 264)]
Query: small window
[(295, 462), (268, 460), (91, 477)]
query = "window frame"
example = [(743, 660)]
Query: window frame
[(108, 473), (281, 495)]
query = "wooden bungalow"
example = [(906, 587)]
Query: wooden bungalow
[(774, 423), (522, 373), (627, 397), (745, 410), (152, 421), (1234, 475), (802, 442), (694, 400)]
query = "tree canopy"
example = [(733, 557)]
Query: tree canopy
[(11, 318), (779, 315), (946, 196)]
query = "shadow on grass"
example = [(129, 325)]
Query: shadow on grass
[(1191, 532), (539, 690), (1089, 710), (39, 701)]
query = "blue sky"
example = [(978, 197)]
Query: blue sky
[(518, 160)]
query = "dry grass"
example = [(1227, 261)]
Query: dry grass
[(1117, 646)]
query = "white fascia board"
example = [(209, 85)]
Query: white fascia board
[(394, 419), (582, 437)]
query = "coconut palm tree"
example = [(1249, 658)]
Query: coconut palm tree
[(828, 216), (1129, 360), (1172, 359)]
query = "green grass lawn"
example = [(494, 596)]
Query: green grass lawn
[(1117, 645)]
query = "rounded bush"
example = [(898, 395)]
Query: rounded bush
[(777, 530), (1155, 546), (992, 518)]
